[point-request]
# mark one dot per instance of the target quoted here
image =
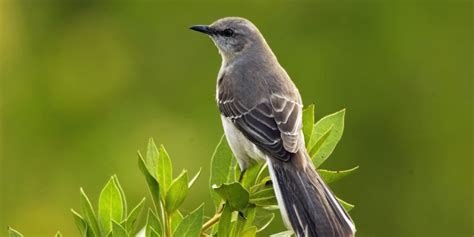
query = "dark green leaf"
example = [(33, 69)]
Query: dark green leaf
[(89, 215), (80, 223), (263, 218), (118, 230), (190, 226), (250, 175), (153, 185), (177, 192), (110, 205), (347, 206), (222, 170), (191, 182), (176, 218), (236, 195), (224, 227), (164, 171), (287, 233), (333, 176), (13, 233), (308, 123), (264, 197), (334, 122), (154, 222), (133, 216)]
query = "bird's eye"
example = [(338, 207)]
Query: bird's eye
[(228, 32)]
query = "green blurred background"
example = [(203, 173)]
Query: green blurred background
[(84, 84)]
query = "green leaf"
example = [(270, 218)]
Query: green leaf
[(330, 176), (263, 218), (250, 216), (122, 194), (347, 206), (250, 175), (133, 216), (118, 230), (89, 215), (287, 233), (153, 185), (225, 227), (249, 232), (110, 205), (151, 157), (176, 218), (264, 197), (177, 192), (190, 226), (13, 233), (164, 171), (308, 123), (80, 223), (58, 234), (334, 123), (222, 170), (196, 176), (319, 143), (236, 195), (154, 222), (150, 232)]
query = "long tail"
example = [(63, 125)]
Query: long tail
[(306, 203)]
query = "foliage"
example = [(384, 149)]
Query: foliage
[(245, 202)]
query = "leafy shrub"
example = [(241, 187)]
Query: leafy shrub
[(244, 203)]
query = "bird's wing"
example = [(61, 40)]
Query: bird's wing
[(274, 125)]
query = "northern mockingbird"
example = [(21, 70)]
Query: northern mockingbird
[(261, 111)]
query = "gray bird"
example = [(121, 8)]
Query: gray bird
[(261, 111)]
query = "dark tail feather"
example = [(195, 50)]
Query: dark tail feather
[(306, 203)]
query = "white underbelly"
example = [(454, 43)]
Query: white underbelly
[(245, 151)]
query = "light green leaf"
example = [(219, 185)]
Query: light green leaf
[(122, 194), (89, 215), (249, 232), (151, 157), (287, 233), (190, 184), (153, 185), (347, 206), (319, 143), (176, 218), (177, 192), (133, 216), (58, 234), (110, 205), (308, 123), (164, 171), (224, 227), (222, 170), (80, 223), (153, 222), (334, 123), (264, 197), (236, 195), (250, 216), (330, 176), (190, 226), (118, 230), (13, 233)]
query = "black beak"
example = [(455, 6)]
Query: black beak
[(201, 28)]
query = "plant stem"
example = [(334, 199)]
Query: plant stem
[(213, 219)]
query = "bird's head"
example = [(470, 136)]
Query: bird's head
[(233, 35)]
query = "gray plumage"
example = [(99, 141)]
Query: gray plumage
[(261, 112)]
